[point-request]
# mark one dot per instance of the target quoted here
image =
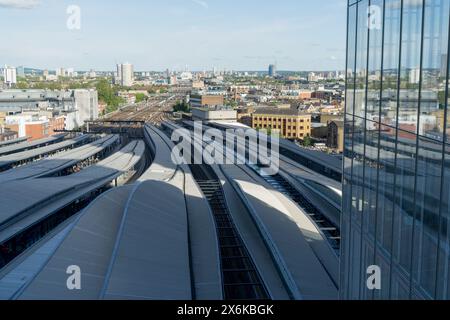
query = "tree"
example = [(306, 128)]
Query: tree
[(22, 85), (307, 141), (140, 97), (233, 104), (108, 95), (181, 106)]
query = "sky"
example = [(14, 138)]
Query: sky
[(297, 35)]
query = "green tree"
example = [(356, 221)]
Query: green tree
[(181, 106), (233, 104), (22, 85), (140, 97), (307, 141), (108, 95)]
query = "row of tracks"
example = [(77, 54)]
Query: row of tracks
[(152, 112)]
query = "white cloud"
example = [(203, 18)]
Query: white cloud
[(19, 4), (202, 3)]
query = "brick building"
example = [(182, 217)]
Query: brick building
[(290, 123)]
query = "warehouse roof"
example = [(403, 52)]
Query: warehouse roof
[(30, 145), (26, 201), (19, 157), (56, 163)]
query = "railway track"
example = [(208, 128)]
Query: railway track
[(241, 280), (153, 112), (330, 231)]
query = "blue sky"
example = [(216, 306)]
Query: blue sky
[(160, 34)]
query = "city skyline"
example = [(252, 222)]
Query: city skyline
[(178, 34), (31, 69)]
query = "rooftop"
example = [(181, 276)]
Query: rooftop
[(279, 111)]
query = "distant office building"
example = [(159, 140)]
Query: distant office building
[(70, 72), (173, 80), (312, 77), (290, 123), (92, 74), (414, 76), (125, 75), (204, 100), (51, 77), (272, 70), (118, 75), (21, 72), (61, 72), (9, 76), (186, 76), (396, 186)]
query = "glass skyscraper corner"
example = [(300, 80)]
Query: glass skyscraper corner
[(396, 184)]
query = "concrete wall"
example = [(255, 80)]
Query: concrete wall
[(208, 115)]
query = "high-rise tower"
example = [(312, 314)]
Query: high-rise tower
[(396, 186)]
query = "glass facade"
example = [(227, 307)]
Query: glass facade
[(396, 179)]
